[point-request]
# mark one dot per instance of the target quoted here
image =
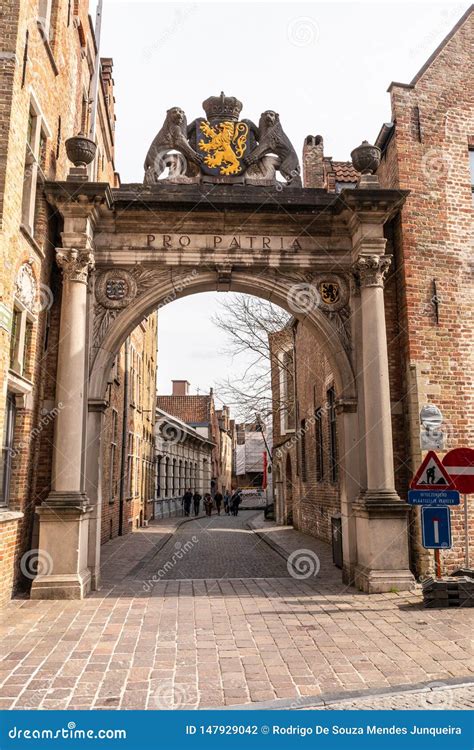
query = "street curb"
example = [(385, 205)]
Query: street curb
[(311, 701), (274, 545), (149, 557)]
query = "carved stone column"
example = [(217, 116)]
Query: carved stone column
[(371, 271), (64, 516), (381, 517)]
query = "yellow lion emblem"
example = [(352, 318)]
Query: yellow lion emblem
[(226, 146)]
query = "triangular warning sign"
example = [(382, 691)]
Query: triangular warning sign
[(431, 475)]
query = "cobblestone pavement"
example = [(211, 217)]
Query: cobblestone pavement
[(242, 630)]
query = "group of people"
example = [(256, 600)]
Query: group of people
[(231, 502)]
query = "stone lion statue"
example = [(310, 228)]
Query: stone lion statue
[(273, 140), (171, 137)]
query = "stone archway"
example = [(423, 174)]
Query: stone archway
[(129, 252)]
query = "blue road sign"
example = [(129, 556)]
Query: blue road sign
[(436, 528), (433, 497)]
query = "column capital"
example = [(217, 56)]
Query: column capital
[(371, 270), (75, 264)]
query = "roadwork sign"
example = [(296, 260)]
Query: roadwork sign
[(431, 474)]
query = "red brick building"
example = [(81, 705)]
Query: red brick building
[(427, 149)]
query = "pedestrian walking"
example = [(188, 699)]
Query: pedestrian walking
[(227, 502), (187, 500), (218, 501), (236, 500), (208, 504), (197, 502)]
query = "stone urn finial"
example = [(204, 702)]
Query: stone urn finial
[(366, 158), (80, 150)]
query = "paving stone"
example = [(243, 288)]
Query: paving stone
[(242, 630)]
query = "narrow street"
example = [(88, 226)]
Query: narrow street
[(209, 614)]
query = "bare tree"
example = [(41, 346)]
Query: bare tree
[(247, 321)]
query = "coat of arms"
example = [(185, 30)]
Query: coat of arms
[(225, 146), (220, 148), (222, 139)]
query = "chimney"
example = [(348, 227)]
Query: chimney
[(313, 169), (180, 388)]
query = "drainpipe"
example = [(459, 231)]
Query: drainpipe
[(123, 457), (94, 85)]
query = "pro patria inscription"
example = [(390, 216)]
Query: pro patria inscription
[(225, 242)]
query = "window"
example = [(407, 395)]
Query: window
[(318, 435), (113, 456), (158, 476), (136, 484), (471, 165), (44, 18), (304, 473), (331, 398), (21, 340), (130, 465), (35, 158), (166, 477), (7, 450), (287, 391)]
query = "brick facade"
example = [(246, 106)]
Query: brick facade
[(305, 472), (46, 68), (128, 465), (428, 292), (426, 150)]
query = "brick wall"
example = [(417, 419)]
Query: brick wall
[(51, 77), (428, 154), (139, 416), (311, 497)]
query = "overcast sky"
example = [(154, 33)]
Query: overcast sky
[(325, 67)]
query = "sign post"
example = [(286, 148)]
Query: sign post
[(436, 532), (433, 488), (459, 464)]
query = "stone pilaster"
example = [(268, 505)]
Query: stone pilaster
[(381, 517), (65, 514)]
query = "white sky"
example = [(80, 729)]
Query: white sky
[(325, 67)]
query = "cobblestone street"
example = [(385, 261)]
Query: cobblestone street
[(208, 615)]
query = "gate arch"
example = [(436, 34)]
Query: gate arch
[(126, 252), (169, 289)]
